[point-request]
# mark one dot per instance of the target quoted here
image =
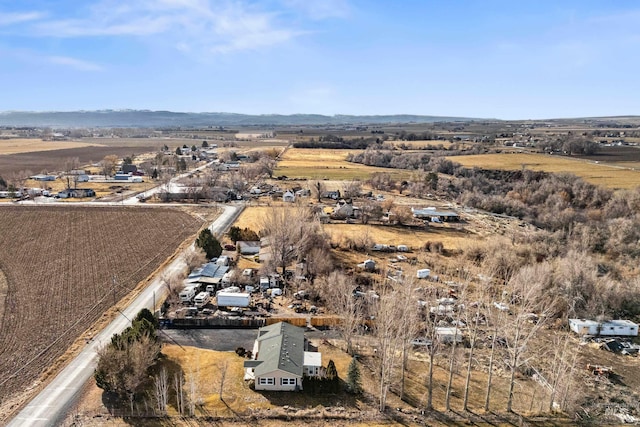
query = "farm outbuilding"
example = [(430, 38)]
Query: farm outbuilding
[(248, 247), (448, 334), (76, 192), (624, 328), (42, 177), (288, 197), (431, 212)]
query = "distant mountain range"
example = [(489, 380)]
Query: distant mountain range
[(162, 119)]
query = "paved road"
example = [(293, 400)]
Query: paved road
[(52, 404)]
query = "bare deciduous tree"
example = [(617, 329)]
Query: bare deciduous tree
[(178, 385), (194, 257), (318, 188), (289, 231), (388, 314), (352, 189), (409, 326), (526, 287), (161, 389), (338, 289), (108, 164)]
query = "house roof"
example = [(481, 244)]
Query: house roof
[(208, 270), (312, 358), (281, 347), (244, 245)]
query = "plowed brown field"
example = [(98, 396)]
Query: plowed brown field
[(61, 264)]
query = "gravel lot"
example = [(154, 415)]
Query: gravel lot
[(223, 339)]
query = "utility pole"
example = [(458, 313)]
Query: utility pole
[(113, 279)]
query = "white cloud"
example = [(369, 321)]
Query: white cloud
[(19, 18), (321, 9), (194, 26), (78, 64)]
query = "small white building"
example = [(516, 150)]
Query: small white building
[(623, 328), (423, 273), (288, 197), (448, 334)]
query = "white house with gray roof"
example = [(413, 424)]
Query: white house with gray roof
[(281, 360)]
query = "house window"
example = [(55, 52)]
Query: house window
[(287, 381), (266, 381)]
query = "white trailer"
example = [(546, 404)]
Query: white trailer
[(229, 290), (622, 328), (202, 299), (423, 273), (187, 294), (233, 299), (226, 278)]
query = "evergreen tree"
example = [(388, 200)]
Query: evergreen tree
[(209, 244), (354, 380), (205, 144), (124, 363), (332, 377), (236, 233), (179, 151)]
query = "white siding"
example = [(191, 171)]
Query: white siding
[(275, 381)]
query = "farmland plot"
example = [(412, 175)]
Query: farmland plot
[(599, 174), (319, 163), (64, 268)]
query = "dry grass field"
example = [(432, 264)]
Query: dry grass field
[(64, 268), (245, 407), (596, 173), (451, 236), (318, 163), (19, 145)]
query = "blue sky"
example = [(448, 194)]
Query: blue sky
[(503, 59)]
